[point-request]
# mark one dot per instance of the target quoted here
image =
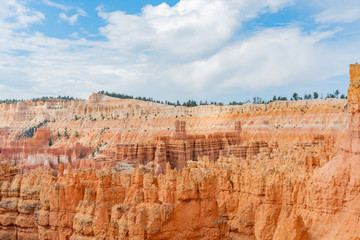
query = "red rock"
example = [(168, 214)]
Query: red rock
[(271, 171)]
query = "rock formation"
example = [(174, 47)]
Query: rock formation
[(285, 170), (265, 196), (104, 131)]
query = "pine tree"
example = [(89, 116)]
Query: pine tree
[(66, 133), (316, 95)]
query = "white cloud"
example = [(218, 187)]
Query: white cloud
[(189, 30), (272, 57), (188, 48), (339, 11), (74, 35), (19, 16), (58, 5), (73, 18)]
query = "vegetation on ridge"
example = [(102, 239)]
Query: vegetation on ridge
[(29, 132), (189, 103), (193, 103), (40, 99)]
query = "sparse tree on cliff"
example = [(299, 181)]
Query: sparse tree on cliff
[(295, 96), (307, 96), (316, 95), (66, 133), (330, 95), (76, 134), (50, 142), (336, 93)]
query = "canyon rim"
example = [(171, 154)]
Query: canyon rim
[(108, 168)]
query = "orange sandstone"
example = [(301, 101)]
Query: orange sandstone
[(285, 170)]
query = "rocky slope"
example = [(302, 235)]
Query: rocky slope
[(103, 130), (287, 170)]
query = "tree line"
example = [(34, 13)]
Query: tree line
[(193, 103), (315, 95), (190, 103), (39, 99)]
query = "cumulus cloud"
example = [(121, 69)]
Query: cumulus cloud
[(16, 15), (190, 49), (188, 30), (272, 57)]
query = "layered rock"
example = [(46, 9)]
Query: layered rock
[(260, 197), (273, 171), (273, 193), (105, 130)]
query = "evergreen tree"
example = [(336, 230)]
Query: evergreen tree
[(295, 96), (316, 95)]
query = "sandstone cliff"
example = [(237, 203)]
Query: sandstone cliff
[(287, 170), (280, 194), (103, 130)]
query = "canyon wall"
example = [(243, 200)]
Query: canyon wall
[(103, 131), (285, 170), (279, 193)]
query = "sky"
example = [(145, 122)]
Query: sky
[(215, 50)]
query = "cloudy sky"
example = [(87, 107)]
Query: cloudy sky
[(218, 50)]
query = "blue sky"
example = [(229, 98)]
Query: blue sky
[(216, 50)]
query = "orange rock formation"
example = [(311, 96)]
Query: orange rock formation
[(286, 170), (103, 130)]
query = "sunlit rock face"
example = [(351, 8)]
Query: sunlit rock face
[(103, 131), (127, 169)]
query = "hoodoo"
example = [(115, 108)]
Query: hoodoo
[(108, 168)]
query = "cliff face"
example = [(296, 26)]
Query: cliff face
[(103, 130), (286, 170), (277, 194)]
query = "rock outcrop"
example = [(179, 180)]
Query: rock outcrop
[(104, 131), (290, 172), (274, 196)]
